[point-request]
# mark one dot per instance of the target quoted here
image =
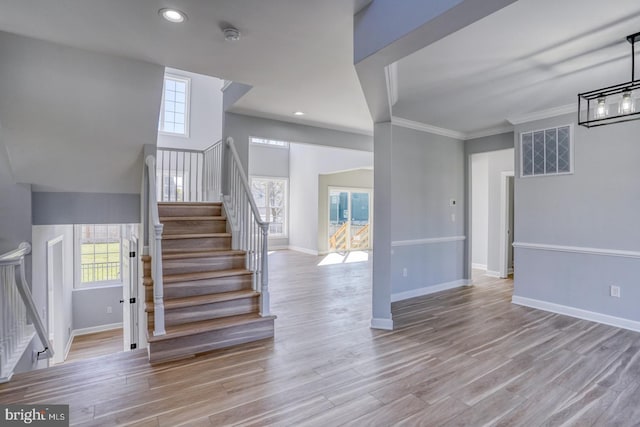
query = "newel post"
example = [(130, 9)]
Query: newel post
[(265, 303)]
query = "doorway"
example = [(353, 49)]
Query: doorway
[(349, 219), (506, 224)]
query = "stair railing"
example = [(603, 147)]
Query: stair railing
[(212, 175), (250, 231), (19, 319), (155, 249)]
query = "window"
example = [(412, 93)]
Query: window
[(270, 195), (269, 142), (99, 254), (546, 152), (174, 114)]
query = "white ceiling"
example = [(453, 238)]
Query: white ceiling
[(530, 56), (297, 55)]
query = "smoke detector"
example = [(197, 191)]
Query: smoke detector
[(231, 34)]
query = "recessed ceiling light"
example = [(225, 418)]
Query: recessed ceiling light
[(298, 113), (173, 15)]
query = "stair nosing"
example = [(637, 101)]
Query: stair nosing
[(193, 218), (196, 300), (182, 330), (188, 277), (194, 236), (200, 254)]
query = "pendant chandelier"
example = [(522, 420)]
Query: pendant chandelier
[(613, 104)]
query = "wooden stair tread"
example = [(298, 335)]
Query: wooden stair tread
[(202, 300), (189, 203), (192, 218), (200, 254), (193, 236), (193, 328), (186, 277)]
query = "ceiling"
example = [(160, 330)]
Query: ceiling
[(530, 56), (297, 55)]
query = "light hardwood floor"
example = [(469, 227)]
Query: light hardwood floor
[(97, 344), (465, 357)]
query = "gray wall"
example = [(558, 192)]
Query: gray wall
[(596, 207), (428, 171), (74, 120), (360, 178), (90, 306), (15, 209), (473, 146), (242, 127), (85, 208)]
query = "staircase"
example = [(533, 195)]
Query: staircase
[(209, 296)]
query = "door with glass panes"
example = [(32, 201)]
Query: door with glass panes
[(349, 219)]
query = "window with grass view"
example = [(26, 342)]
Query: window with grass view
[(99, 253), (270, 195)]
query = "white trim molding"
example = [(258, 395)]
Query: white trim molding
[(95, 329), (488, 132), (493, 274), (577, 250), (391, 72), (303, 250), (410, 124), (400, 296), (478, 266), (428, 241), (384, 324), (579, 313), (543, 114)]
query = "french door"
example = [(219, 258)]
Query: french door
[(349, 219)]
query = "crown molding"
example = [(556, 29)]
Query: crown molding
[(543, 114), (489, 132), (226, 84), (391, 72), (410, 124)]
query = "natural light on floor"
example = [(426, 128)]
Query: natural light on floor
[(346, 258)]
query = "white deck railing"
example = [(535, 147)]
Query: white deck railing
[(250, 233), (155, 249), (19, 319)]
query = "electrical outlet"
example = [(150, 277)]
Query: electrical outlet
[(614, 291), (404, 272), (109, 309)]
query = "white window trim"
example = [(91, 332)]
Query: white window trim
[(187, 106), (77, 264), (285, 226), (259, 144), (571, 154)]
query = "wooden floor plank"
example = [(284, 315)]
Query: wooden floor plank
[(466, 356)]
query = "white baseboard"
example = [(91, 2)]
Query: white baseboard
[(94, 329), (278, 247), (385, 324), (428, 290), (606, 319), (493, 274), (303, 250), (479, 266)]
